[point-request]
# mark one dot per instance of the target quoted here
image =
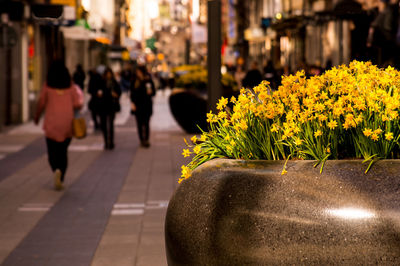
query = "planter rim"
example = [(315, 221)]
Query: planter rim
[(240, 162), (223, 164)]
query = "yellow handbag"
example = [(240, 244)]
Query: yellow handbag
[(79, 128), (78, 122)]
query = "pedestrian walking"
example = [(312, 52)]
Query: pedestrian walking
[(126, 78), (79, 77), (95, 83), (108, 96), (239, 76), (382, 33), (142, 91), (253, 76), (59, 98), (270, 74)]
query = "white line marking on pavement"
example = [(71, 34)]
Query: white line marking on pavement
[(33, 209), (38, 205), (127, 212), (79, 148), (10, 148), (83, 148), (128, 205), (158, 202), (156, 207), (137, 208), (152, 205)]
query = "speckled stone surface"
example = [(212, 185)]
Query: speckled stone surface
[(233, 212)]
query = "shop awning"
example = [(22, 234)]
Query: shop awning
[(81, 33), (76, 33)]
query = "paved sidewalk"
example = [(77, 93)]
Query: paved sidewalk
[(112, 210)]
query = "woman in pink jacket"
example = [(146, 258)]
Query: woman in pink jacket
[(59, 98)]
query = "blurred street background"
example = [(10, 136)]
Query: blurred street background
[(112, 209)]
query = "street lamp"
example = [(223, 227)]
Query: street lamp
[(214, 53)]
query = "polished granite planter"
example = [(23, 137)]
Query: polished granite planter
[(233, 212)]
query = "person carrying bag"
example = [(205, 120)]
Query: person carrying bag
[(59, 98), (78, 126)]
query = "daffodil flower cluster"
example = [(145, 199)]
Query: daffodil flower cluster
[(196, 76), (350, 111)]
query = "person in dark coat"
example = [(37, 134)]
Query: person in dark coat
[(95, 83), (142, 91), (270, 75), (382, 34), (126, 78), (108, 104), (253, 77), (79, 77)]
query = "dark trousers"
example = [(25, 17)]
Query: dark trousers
[(95, 120), (58, 155), (143, 125), (107, 127)]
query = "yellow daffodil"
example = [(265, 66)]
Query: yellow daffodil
[(367, 132), (222, 115), (236, 116), (358, 98), (185, 173), (385, 118), (203, 137), (222, 103), (243, 125), (374, 137), (233, 143), (186, 142), (211, 118), (298, 142), (317, 133), (332, 124), (197, 149), (226, 123), (389, 136), (274, 128), (186, 153)]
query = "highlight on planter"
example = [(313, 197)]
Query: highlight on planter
[(348, 112), (351, 213)]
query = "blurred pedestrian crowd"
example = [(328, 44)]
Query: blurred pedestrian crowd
[(62, 96)]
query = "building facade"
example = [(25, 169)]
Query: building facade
[(307, 33), (35, 32)]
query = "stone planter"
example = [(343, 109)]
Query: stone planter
[(233, 212), (189, 108)]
